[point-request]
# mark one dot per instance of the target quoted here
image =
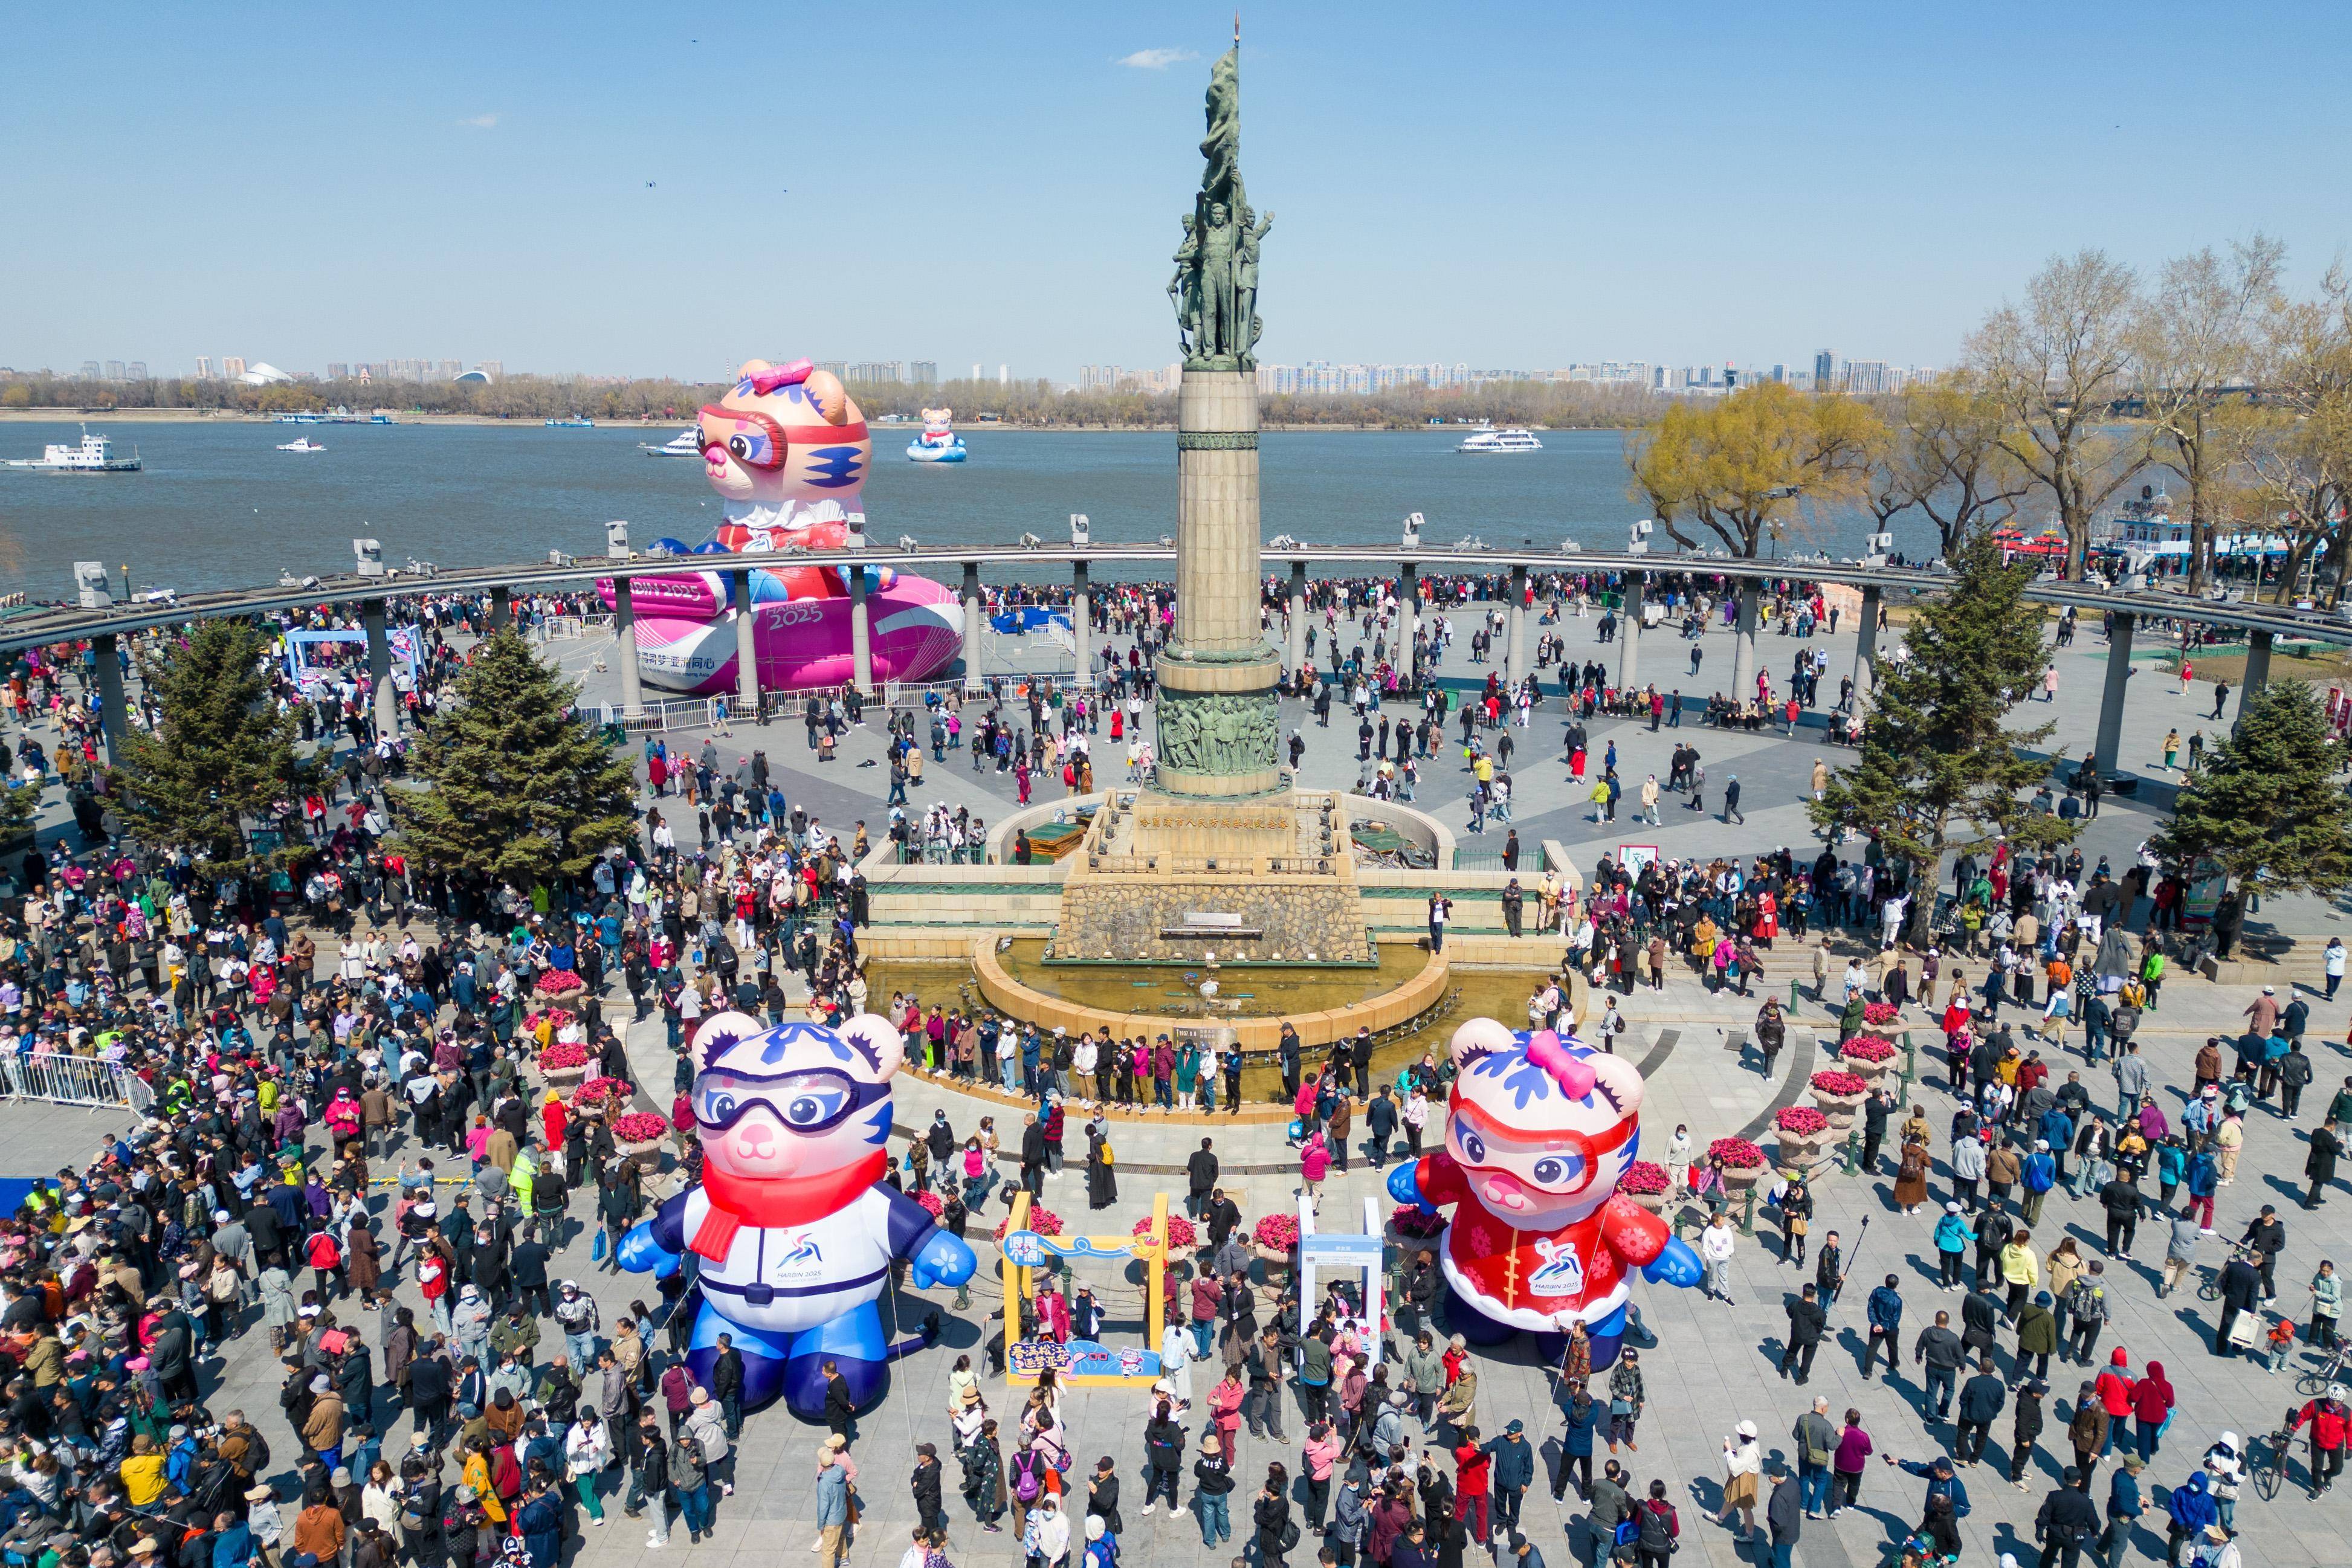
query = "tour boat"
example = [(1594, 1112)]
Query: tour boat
[(300, 443), (576, 422), (1500, 441), (938, 443), (687, 443), (94, 456)]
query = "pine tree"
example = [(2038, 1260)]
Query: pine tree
[(1936, 772), (520, 791), (2266, 799), (221, 756)]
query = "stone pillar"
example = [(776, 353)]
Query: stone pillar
[(113, 718), (1743, 643), (746, 663), (1082, 617), (501, 607), (861, 630), (625, 647), (2109, 739), (1218, 728), (1515, 649), (1295, 640), (975, 625), (1408, 613), (1866, 649), (1629, 631), (2258, 675), (379, 647)]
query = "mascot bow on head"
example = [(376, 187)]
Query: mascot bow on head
[(794, 1228), (1537, 1131)]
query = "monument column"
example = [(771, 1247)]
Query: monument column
[(975, 624), (861, 631), (1408, 615), (1865, 650), (113, 718), (2108, 738), (2257, 675), (379, 649), (501, 607), (625, 633), (1743, 644), (746, 664), (1629, 630), (1082, 620), (1294, 638), (1514, 649)]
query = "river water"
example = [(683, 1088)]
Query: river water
[(217, 504)]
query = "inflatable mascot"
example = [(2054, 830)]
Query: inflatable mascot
[(1537, 1131), (788, 451), (792, 1227)]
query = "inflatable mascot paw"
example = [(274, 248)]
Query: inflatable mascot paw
[(794, 1226), (1539, 1129)]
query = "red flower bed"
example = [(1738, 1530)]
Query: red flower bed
[(1410, 1221), (1643, 1176), (1181, 1233), (641, 1127), (932, 1204), (1737, 1153), (1801, 1120), (1276, 1231), (561, 1055), (1867, 1048), (1880, 1012), (1044, 1221), (604, 1091), (555, 981), (1830, 1080)]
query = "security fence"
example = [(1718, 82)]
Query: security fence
[(73, 1080)]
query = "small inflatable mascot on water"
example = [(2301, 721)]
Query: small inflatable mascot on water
[(1539, 1129), (794, 1228)]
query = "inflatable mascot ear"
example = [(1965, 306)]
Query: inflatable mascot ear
[(879, 1043), (865, 1047)]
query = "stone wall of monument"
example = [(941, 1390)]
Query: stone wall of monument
[(1123, 917)]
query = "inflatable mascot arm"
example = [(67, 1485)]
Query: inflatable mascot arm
[(793, 1224), (1537, 1131)]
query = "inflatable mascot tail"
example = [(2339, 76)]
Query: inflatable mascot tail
[(793, 1227), (1539, 1129)]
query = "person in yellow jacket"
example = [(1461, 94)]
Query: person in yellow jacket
[(2021, 1271), (142, 1471)]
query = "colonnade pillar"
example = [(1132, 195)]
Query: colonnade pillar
[(501, 607), (1515, 653), (379, 655), (1743, 643), (861, 631), (2258, 675), (1865, 650), (624, 635), (113, 718), (1082, 621), (975, 622), (1295, 640), (1408, 615), (747, 662), (1629, 631), (2109, 735)]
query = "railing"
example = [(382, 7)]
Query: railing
[(687, 713), (73, 1080)]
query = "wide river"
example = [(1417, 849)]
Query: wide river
[(217, 504)]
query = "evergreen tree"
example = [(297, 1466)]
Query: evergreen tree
[(1937, 773), (521, 790), (2266, 799), (223, 755)]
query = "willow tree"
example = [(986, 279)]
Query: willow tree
[(1937, 771), (1744, 466), (1947, 453), (518, 790), (2059, 363)]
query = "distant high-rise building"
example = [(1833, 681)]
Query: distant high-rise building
[(877, 371), (975, 369), (89, 370), (448, 369), (337, 370), (837, 369), (231, 367), (1003, 376), (204, 367), (1780, 373), (1824, 371), (923, 372), (136, 370), (494, 369), (114, 369), (1865, 376)]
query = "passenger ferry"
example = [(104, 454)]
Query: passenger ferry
[(1500, 441), (95, 454), (687, 443), (300, 443), (2141, 536), (575, 423)]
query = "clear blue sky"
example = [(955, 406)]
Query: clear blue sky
[(1506, 186)]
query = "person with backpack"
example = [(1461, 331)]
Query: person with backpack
[(1657, 1528), (1278, 1532)]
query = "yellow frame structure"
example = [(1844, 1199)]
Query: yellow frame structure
[(1151, 1249)]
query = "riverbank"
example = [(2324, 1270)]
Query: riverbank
[(127, 416)]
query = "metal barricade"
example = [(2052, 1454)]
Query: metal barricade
[(73, 1080)]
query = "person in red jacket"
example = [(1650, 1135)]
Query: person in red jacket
[(2115, 1392), (2330, 1419), (2152, 1401), (325, 1261), (1473, 1468)]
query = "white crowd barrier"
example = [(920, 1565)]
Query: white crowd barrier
[(73, 1080)]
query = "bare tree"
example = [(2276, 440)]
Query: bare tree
[(1950, 455), (2290, 454), (2058, 364), (2195, 343)]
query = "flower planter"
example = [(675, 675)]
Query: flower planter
[(1801, 1150), (567, 1079), (647, 1155), (1839, 1108), (1278, 1261), (1740, 1178), (1655, 1202)]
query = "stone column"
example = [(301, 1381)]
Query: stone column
[(1295, 640), (501, 607), (1082, 616), (746, 663), (2110, 732), (1743, 643), (861, 630), (2258, 675), (1218, 729), (1514, 649), (975, 625), (1866, 649), (1408, 612), (113, 718), (379, 649), (1629, 631), (625, 638)]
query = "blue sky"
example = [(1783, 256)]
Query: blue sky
[(1505, 185)]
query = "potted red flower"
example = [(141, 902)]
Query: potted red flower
[(1800, 1131), (640, 1135), (1741, 1162), (1839, 1094), (1867, 1056), (1183, 1235), (601, 1095), (563, 1063), (1647, 1184), (559, 989), (1042, 1220)]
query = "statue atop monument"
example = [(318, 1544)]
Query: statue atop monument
[(1215, 286)]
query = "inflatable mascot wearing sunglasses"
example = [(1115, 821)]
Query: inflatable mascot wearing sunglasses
[(1537, 1131), (792, 1227)]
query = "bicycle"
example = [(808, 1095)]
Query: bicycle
[(2270, 1472), (2312, 1385), (2210, 1290)]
